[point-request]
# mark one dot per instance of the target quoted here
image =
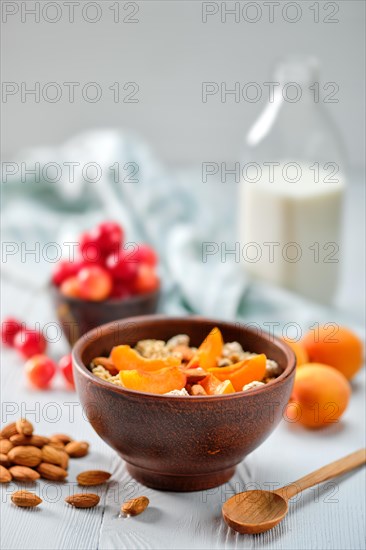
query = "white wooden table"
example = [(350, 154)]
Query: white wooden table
[(328, 517), (331, 516)]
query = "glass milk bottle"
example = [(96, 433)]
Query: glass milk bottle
[(292, 187)]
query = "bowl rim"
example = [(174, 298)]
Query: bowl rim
[(81, 343), (111, 301)]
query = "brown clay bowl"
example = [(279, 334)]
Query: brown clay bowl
[(79, 316), (181, 443)]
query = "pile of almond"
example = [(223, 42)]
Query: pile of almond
[(26, 457)]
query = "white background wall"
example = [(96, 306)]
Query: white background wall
[(169, 52)]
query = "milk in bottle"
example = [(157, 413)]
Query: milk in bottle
[(292, 188)]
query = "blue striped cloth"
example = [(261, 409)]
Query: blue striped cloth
[(175, 212)]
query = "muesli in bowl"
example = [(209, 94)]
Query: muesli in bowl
[(180, 443), (176, 368)]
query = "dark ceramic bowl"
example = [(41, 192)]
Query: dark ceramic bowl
[(79, 316), (181, 443)]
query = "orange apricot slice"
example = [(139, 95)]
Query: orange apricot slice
[(161, 381), (210, 384), (224, 388), (209, 351), (242, 373), (126, 358)]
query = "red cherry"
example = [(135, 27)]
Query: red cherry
[(71, 288), (99, 242), (145, 255), (40, 370), (120, 290), (146, 280), (110, 237), (9, 328), (65, 365), (30, 342), (82, 263), (63, 270), (95, 283), (90, 247), (121, 267)]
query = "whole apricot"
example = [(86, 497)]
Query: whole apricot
[(299, 351), (319, 397), (336, 346)]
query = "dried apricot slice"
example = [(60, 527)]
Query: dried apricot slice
[(161, 381), (242, 373), (224, 388), (126, 358), (210, 384), (209, 351)]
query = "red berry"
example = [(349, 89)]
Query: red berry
[(40, 370), (71, 288), (120, 290), (65, 364), (30, 342), (110, 237), (95, 283), (90, 247), (145, 255), (146, 280), (83, 263), (63, 270), (97, 244), (121, 267), (9, 328)]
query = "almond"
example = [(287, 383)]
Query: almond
[(8, 431), (93, 477), (64, 438), (135, 506), (24, 427), (184, 351), (83, 500), (65, 460), (55, 456), (23, 473), (197, 389), (5, 475), (56, 444), (52, 472), (4, 461), (5, 446), (25, 499), (106, 363), (34, 440), (194, 375), (77, 449), (25, 455)]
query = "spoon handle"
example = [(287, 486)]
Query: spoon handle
[(333, 469)]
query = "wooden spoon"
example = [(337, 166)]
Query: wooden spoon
[(257, 511)]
